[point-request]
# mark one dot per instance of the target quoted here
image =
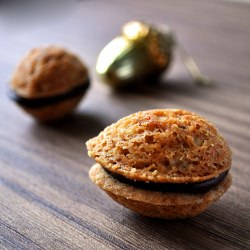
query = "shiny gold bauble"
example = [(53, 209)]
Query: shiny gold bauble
[(141, 51)]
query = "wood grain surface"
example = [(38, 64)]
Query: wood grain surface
[(46, 198)]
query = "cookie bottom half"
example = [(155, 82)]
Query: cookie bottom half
[(54, 111), (157, 204), (46, 109)]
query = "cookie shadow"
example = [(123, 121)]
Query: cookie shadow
[(205, 231), (78, 125)]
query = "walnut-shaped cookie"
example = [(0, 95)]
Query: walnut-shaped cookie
[(162, 163), (49, 82)]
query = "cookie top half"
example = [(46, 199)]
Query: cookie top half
[(48, 71), (172, 146)]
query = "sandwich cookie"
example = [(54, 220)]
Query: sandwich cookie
[(49, 82), (162, 163)]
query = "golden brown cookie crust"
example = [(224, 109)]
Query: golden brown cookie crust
[(48, 71), (174, 146), (157, 204)]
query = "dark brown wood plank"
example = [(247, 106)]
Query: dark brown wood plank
[(46, 198)]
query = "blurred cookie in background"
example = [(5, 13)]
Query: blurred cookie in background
[(49, 82)]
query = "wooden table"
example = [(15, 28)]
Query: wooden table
[(46, 198)]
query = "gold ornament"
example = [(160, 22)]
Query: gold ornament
[(141, 52)]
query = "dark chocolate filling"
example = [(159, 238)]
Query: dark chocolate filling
[(194, 187), (45, 101)]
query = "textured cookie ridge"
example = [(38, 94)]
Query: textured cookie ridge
[(48, 71), (162, 146)]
